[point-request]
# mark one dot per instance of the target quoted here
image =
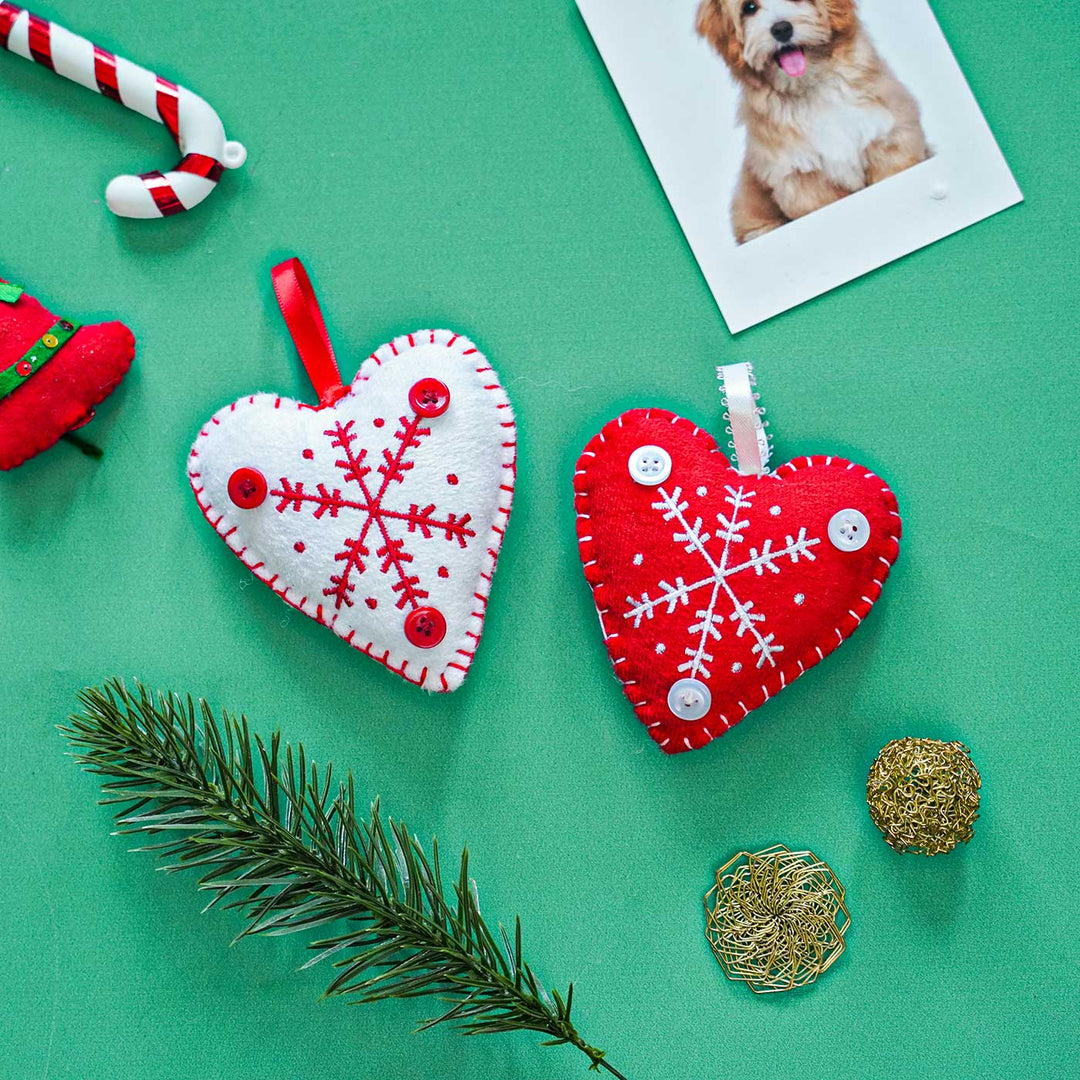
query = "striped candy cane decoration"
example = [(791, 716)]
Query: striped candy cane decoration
[(194, 125)]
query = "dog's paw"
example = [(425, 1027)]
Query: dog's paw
[(753, 234)]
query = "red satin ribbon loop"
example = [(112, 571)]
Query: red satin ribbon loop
[(296, 298)]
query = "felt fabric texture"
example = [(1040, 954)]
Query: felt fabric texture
[(372, 511), (729, 580), (61, 395)]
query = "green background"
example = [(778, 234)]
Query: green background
[(468, 164)]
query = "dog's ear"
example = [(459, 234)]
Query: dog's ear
[(718, 28), (842, 17)]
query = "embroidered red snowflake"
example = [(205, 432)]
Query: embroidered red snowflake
[(368, 498)]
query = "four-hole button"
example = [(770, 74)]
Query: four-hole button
[(849, 530), (429, 397), (425, 627), (649, 465), (247, 488), (689, 699)]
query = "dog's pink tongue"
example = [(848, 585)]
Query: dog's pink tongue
[(793, 61)]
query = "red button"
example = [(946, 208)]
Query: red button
[(425, 627), (247, 488), (429, 397), (24, 367)]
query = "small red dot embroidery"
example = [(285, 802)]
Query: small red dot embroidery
[(299, 546), (452, 479), (309, 454), (443, 572), (372, 602), (378, 421)]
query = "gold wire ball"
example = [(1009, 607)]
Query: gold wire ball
[(924, 795), (776, 918)]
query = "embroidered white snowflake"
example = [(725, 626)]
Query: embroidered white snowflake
[(719, 595)]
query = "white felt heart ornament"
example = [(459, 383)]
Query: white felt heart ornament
[(380, 514)]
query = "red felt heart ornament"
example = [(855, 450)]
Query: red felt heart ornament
[(717, 590), (53, 373)]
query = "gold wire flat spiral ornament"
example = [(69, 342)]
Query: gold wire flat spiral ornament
[(776, 918), (923, 795)]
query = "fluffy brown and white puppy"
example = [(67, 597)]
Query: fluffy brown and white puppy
[(824, 114)]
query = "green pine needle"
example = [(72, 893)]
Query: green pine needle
[(274, 837)]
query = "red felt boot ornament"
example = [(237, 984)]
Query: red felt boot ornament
[(53, 372)]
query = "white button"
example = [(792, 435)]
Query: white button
[(650, 465), (689, 699), (939, 191), (849, 530)]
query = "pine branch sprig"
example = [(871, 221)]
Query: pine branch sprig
[(276, 838)]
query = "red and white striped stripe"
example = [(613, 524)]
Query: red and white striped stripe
[(193, 124)]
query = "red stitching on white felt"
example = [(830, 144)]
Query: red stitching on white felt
[(474, 627)]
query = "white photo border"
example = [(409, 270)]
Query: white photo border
[(673, 86)]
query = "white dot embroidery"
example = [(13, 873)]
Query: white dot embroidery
[(661, 648), (702, 492), (736, 668), (799, 598), (639, 559), (774, 510)]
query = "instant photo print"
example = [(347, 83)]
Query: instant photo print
[(801, 143)]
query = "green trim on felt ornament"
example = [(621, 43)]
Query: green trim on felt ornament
[(9, 293), (43, 350)]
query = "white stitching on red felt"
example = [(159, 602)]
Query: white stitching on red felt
[(781, 676)]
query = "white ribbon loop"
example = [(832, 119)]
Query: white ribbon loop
[(749, 440)]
